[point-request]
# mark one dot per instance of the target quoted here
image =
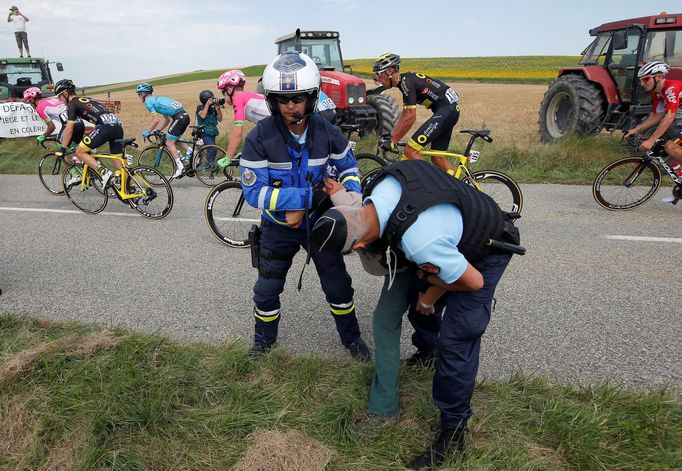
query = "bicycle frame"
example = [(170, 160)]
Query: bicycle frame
[(123, 173)]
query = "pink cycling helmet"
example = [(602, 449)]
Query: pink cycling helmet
[(231, 78), (31, 93)]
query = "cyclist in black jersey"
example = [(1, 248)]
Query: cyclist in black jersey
[(107, 127), (421, 89)]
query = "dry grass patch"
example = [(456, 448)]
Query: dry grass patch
[(273, 450), (18, 428), (23, 362)]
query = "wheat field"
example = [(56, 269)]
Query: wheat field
[(510, 111)]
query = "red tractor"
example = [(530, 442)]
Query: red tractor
[(371, 110), (604, 92)]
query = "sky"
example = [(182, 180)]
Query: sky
[(107, 41)]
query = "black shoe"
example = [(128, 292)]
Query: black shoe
[(259, 349), (422, 359), (359, 350), (447, 442)]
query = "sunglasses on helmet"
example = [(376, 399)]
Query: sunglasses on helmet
[(284, 99)]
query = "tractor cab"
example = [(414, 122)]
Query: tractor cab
[(17, 74), (321, 46)]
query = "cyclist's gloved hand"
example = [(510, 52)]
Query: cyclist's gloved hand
[(59, 153), (387, 144), (145, 134), (40, 138), (224, 162)]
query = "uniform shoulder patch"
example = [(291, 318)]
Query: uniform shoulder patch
[(430, 268), (248, 177)]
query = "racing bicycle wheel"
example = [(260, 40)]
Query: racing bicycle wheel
[(154, 200), (229, 216), (626, 183), (50, 172), (500, 187), (84, 190), (158, 158), (368, 163), (205, 167)]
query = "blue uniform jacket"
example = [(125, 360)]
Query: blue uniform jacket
[(278, 174)]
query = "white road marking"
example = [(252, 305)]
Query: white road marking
[(62, 211), (255, 221), (670, 240)]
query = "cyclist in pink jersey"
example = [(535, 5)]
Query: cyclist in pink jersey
[(666, 113), (248, 106), (52, 109)]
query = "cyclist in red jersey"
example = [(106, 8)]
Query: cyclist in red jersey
[(666, 111)]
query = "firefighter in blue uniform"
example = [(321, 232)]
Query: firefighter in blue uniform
[(284, 166)]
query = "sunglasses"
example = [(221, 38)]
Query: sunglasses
[(284, 99)]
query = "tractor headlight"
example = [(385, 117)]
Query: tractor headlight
[(361, 99), (351, 100)]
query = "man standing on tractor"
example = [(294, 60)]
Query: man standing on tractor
[(666, 113), (420, 89), (283, 167), (172, 112)]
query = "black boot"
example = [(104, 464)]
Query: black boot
[(359, 350), (448, 441), (422, 359)]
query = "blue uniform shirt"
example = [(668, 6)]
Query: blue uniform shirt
[(162, 105), (432, 238)]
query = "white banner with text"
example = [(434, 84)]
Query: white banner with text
[(18, 119)]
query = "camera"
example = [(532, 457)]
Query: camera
[(219, 101)]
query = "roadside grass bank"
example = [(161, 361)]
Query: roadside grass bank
[(574, 161), (75, 396)]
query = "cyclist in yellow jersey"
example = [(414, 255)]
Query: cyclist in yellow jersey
[(420, 89)]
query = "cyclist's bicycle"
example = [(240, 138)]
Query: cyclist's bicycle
[(500, 186), (145, 189), (632, 181), (50, 168), (203, 161), (228, 215)]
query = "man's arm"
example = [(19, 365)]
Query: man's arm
[(50, 128), (235, 140), (22, 15), (9, 17), (404, 124), (203, 111), (219, 113), (68, 132), (650, 121)]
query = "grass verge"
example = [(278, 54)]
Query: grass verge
[(574, 161), (94, 399)]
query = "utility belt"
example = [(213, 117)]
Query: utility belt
[(510, 239)]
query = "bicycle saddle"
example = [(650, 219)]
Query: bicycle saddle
[(125, 142), (483, 133)]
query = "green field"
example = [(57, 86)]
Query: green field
[(73, 396)]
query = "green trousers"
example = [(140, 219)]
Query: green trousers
[(387, 323)]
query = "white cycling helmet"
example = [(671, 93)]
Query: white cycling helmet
[(291, 73), (653, 68)]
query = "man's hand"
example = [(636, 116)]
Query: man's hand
[(387, 144), (647, 145), (331, 186), (40, 139), (424, 308), (630, 133), (145, 134), (295, 218)]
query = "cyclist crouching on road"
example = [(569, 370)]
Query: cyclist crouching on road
[(283, 166), (431, 243), (107, 128), (420, 89), (665, 100), (172, 112)]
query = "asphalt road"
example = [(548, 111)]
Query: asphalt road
[(579, 306)]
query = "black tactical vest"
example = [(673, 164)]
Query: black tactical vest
[(424, 185)]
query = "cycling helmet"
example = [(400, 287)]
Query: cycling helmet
[(144, 87), (64, 85), (385, 61), (231, 78), (653, 68), (291, 73), (205, 96), (31, 93)]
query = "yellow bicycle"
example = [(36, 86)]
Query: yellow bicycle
[(500, 186), (144, 189)]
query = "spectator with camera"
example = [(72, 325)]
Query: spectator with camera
[(209, 114), (19, 21)]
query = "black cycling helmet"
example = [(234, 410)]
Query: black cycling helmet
[(385, 61), (330, 233), (205, 95), (64, 85)]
